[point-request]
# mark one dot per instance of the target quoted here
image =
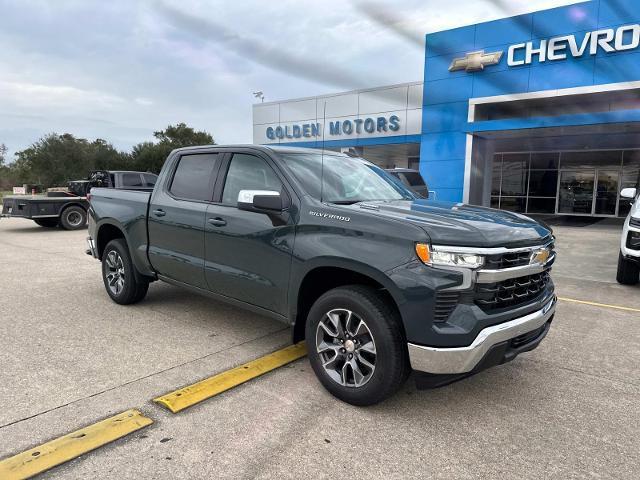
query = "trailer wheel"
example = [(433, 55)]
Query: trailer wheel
[(73, 218), (47, 222)]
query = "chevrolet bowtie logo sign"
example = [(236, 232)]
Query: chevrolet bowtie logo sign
[(475, 61)]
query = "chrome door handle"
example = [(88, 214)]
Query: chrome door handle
[(217, 222), (159, 213)]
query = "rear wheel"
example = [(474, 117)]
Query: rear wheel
[(356, 346), (73, 218), (122, 283), (628, 272), (47, 222)]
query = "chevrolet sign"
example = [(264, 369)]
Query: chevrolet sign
[(607, 40)]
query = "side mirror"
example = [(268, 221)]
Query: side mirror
[(629, 193), (260, 201)]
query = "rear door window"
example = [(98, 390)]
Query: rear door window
[(192, 179)]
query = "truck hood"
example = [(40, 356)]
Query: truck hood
[(458, 224)]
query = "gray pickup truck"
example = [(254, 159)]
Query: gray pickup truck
[(376, 281)]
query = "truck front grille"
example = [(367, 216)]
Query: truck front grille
[(507, 260), (446, 303), (510, 293)]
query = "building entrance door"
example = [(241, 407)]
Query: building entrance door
[(588, 192), (607, 188), (575, 192)]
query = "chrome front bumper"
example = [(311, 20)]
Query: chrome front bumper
[(460, 360)]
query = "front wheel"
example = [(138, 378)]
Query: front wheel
[(356, 346), (628, 272), (119, 275)]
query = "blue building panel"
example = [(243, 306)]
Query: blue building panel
[(516, 29), (443, 146), (603, 118), (445, 117), (567, 74), (443, 175), (439, 67), (501, 83), (617, 68), (563, 20), (448, 91), (618, 12)]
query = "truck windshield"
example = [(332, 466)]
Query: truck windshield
[(347, 180)]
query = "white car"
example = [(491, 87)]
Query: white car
[(629, 259)]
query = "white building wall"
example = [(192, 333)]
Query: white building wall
[(401, 102)]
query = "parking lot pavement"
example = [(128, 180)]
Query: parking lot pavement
[(71, 357)]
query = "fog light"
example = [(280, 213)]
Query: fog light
[(633, 241)]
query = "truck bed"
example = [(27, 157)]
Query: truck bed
[(127, 209), (37, 206)]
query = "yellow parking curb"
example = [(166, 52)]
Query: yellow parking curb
[(196, 393), (603, 305), (72, 445)]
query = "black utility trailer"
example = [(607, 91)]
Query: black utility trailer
[(69, 209)]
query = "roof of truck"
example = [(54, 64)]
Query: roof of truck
[(267, 148)]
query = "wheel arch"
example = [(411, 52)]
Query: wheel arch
[(73, 204), (105, 233), (325, 274), (108, 230)]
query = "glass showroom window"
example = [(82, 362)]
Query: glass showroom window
[(573, 182), (525, 182)]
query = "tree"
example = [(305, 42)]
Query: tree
[(5, 172), (182, 136), (149, 156), (55, 159), (3, 153)]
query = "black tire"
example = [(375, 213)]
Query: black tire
[(73, 218), (47, 222), (384, 326), (123, 284), (628, 272)]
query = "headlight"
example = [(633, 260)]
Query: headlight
[(444, 257)]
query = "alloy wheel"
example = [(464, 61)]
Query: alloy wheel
[(115, 272), (346, 348)]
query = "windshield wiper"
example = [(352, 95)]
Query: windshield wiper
[(346, 202)]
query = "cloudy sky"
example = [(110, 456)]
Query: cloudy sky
[(121, 69)]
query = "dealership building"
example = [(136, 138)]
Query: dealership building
[(538, 113)]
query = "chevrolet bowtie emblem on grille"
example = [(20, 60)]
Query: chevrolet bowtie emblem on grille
[(539, 257), (475, 61)]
